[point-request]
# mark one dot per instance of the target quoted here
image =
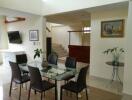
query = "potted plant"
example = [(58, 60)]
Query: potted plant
[(116, 53), (38, 53)]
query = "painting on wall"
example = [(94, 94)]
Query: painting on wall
[(33, 35), (114, 28)]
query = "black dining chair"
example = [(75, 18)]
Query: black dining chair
[(79, 85), (22, 60), (37, 84), (53, 58), (70, 63), (17, 77)]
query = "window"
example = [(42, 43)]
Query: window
[(86, 30)]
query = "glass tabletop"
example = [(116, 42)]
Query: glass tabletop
[(52, 71)]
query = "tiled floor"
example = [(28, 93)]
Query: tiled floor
[(95, 94), (97, 87), (5, 74), (104, 84)]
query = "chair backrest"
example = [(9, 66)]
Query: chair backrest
[(53, 58), (70, 62), (16, 72), (35, 77), (81, 81), (21, 58)]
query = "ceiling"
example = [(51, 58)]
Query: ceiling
[(80, 17), (69, 18)]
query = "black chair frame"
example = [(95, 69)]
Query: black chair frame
[(39, 85), (79, 85), (52, 58), (17, 77)]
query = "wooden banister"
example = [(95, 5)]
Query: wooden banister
[(15, 20), (81, 31), (48, 29)]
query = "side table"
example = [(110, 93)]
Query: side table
[(115, 70)]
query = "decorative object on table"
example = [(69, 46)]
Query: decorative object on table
[(33, 35), (114, 28), (116, 53), (38, 53), (44, 63)]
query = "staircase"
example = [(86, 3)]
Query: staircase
[(62, 53)]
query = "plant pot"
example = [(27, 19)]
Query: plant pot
[(44, 63), (115, 63)]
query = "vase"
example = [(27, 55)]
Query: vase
[(44, 63), (115, 61)]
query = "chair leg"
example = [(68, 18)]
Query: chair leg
[(71, 94), (22, 85), (44, 93), (26, 86), (20, 92), (41, 95), (61, 94), (66, 91), (77, 95), (56, 95), (29, 93), (86, 93), (35, 92), (10, 87)]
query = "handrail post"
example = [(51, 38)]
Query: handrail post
[(69, 37)]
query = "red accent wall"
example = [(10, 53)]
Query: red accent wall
[(81, 53)]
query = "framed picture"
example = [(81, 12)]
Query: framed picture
[(33, 35), (113, 28)]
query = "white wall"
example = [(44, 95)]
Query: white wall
[(60, 35), (98, 45), (128, 65), (3, 35), (86, 39), (32, 22)]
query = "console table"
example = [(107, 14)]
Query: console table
[(115, 70)]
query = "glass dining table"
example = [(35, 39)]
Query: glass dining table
[(54, 72)]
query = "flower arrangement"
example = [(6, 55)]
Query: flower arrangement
[(116, 53)]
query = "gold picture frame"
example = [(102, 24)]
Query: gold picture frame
[(113, 28)]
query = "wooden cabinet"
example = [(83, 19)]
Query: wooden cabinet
[(81, 53)]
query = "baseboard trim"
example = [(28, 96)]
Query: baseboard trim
[(126, 97)]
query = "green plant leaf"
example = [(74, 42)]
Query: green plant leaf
[(38, 52)]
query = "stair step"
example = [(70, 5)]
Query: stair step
[(62, 59), (59, 49)]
